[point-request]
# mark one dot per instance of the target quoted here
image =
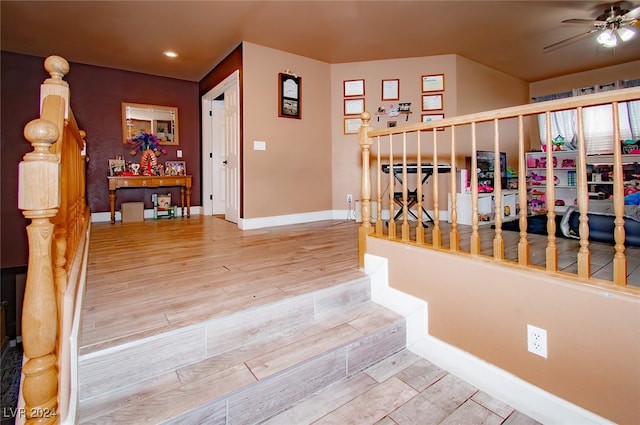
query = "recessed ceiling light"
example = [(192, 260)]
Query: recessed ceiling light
[(170, 54)]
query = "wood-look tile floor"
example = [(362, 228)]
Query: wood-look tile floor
[(151, 277), (403, 389)]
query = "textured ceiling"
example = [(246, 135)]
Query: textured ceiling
[(508, 36)]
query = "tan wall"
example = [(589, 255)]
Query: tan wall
[(469, 87), (483, 308), (481, 88), (294, 174), (627, 71)]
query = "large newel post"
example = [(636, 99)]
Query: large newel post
[(39, 199), (365, 146)]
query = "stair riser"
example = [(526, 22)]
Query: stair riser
[(269, 396), (113, 368)]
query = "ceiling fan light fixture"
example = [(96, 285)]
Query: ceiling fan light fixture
[(608, 38), (625, 33)]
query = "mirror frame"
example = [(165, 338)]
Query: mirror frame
[(125, 127)]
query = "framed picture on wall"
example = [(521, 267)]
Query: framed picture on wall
[(289, 96), (433, 117), (433, 82), (431, 102), (352, 125), (354, 106), (353, 88), (390, 89)]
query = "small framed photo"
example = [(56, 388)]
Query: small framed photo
[(116, 167), (390, 89), (433, 82), (175, 168), (352, 125), (432, 102), (353, 88), (433, 117), (289, 96), (354, 106)]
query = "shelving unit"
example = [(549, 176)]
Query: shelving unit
[(600, 173), (486, 207), (565, 181)]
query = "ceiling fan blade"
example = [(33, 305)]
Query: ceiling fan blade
[(568, 40), (584, 22), (632, 14)]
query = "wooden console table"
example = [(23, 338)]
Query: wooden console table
[(137, 182)]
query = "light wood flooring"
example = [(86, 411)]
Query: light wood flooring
[(148, 278)]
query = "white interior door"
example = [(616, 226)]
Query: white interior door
[(221, 150), (218, 184), (232, 151)]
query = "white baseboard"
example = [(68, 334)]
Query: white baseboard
[(100, 217), (283, 220), (528, 399)]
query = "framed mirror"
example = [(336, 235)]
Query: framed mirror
[(154, 119)]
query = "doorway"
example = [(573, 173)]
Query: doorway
[(221, 150)]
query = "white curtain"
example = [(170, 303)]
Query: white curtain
[(598, 121)]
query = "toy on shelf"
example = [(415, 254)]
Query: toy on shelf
[(162, 206)]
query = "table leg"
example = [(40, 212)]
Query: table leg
[(188, 202), (182, 201), (112, 205)]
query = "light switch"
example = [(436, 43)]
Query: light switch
[(179, 153), (259, 145)]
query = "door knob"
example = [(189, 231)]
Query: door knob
[(224, 162)]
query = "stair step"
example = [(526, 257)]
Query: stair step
[(244, 366)]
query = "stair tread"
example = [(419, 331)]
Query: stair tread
[(200, 383)]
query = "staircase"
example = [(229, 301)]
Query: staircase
[(241, 368)]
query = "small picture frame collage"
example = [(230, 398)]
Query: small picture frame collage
[(353, 93), (432, 97), (432, 101)]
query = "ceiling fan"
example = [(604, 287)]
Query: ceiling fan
[(614, 25)]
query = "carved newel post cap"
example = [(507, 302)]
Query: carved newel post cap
[(57, 67), (41, 132), (365, 116)]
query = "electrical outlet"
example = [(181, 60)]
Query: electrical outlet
[(537, 341), (349, 198)]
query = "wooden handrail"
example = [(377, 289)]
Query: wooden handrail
[(51, 193), (394, 139)]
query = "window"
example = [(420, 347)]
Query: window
[(598, 122)]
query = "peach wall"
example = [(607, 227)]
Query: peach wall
[(469, 87), (293, 175), (481, 88), (626, 71), (484, 308)]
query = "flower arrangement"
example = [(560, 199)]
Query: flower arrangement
[(143, 141)]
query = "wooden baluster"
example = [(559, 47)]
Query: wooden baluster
[(524, 256), (379, 223), (365, 190), (39, 198), (584, 254), (405, 189), (419, 226), (475, 237), (392, 221), (552, 248), (619, 258), (498, 241), (436, 232), (454, 236)]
